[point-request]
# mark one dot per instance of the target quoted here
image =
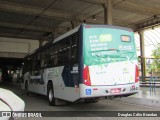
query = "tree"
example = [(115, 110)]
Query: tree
[(155, 65)]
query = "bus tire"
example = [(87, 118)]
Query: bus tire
[(50, 94)]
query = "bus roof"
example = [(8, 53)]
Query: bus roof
[(67, 34), (74, 31), (89, 25), (106, 26), (55, 40)]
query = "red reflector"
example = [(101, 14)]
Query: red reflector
[(86, 76), (136, 74), (133, 87), (87, 26)]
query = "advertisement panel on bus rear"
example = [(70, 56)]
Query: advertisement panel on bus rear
[(110, 55)]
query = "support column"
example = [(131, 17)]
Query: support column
[(142, 50), (107, 12), (74, 23)]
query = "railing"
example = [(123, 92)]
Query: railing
[(152, 82)]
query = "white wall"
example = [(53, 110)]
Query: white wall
[(16, 45)]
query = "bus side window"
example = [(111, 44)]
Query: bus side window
[(38, 61), (34, 64), (55, 56), (74, 61), (49, 56), (63, 52), (66, 50), (74, 49), (42, 59), (51, 61)]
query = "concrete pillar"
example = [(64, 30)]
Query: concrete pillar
[(107, 12), (142, 50), (74, 23)]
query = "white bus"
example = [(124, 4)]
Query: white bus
[(87, 63)]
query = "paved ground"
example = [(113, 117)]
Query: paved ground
[(40, 103)]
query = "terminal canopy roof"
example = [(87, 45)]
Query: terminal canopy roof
[(40, 19)]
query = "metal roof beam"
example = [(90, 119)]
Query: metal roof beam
[(36, 11), (130, 6), (32, 28), (19, 36), (137, 8), (29, 10), (29, 27)]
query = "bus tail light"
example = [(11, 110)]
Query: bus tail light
[(86, 76), (136, 74)]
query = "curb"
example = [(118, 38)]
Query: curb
[(140, 101)]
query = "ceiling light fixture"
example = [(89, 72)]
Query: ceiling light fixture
[(93, 18), (36, 18)]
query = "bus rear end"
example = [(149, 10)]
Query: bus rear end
[(110, 66)]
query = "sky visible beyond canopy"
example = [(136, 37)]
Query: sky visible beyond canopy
[(151, 40)]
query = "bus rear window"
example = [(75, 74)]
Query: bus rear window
[(125, 38), (107, 45)]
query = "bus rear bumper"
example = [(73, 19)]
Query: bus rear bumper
[(105, 91)]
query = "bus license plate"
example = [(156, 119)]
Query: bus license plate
[(116, 90)]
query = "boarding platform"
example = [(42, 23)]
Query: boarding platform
[(149, 94)]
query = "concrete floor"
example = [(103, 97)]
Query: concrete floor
[(40, 103)]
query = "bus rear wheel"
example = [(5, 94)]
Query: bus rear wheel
[(50, 95)]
